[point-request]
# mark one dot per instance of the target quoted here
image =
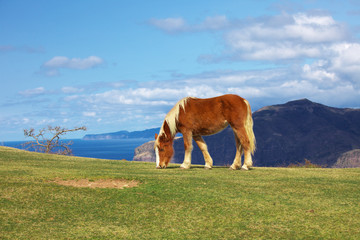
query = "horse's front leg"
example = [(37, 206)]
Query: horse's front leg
[(203, 147), (188, 149)]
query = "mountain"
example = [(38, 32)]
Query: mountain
[(301, 129), (149, 133), (286, 134)]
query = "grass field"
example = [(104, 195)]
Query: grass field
[(264, 203)]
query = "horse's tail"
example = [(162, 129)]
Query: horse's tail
[(249, 128)]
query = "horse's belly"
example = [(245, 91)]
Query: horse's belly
[(210, 130)]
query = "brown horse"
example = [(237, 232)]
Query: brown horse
[(194, 117)]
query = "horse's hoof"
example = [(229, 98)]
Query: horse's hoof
[(207, 168), (182, 167), (234, 167), (244, 168)]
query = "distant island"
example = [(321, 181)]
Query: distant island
[(148, 133)]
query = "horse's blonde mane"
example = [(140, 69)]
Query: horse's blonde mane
[(173, 115)]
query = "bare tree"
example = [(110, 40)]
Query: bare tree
[(48, 140)]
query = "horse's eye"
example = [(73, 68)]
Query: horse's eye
[(161, 149)]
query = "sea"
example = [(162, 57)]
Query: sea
[(115, 149)]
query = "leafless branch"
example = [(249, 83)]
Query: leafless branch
[(48, 140)]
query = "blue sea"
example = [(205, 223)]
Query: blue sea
[(116, 149)]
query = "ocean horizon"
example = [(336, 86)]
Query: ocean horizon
[(114, 149)]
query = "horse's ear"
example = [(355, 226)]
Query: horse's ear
[(156, 136)]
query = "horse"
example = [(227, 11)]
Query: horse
[(196, 117)]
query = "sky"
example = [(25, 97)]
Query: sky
[(121, 65)]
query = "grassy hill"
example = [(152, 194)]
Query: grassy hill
[(265, 203)]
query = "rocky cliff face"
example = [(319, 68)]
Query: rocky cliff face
[(145, 152), (350, 159), (285, 134)]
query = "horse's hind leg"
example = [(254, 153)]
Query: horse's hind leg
[(247, 160), (203, 147), (240, 133), (239, 151)]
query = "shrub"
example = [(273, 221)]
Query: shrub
[(307, 164)]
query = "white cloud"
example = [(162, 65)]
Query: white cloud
[(281, 37), (319, 72), (148, 104), (73, 63), (89, 114), (57, 62), (51, 72), (43, 122), (71, 98), (321, 20), (214, 23), (346, 59), (249, 92), (296, 36), (169, 24), (53, 65), (150, 96), (33, 92), (177, 25), (318, 53), (26, 120), (71, 89)]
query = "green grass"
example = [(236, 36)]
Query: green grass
[(264, 203)]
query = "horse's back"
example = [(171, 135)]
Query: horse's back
[(234, 106)]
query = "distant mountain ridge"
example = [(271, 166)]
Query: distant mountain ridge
[(285, 134), (148, 133), (289, 133)]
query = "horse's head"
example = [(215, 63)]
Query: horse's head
[(163, 149)]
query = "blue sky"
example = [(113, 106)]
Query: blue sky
[(122, 65)]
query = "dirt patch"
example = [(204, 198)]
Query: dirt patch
[(101, 183)]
